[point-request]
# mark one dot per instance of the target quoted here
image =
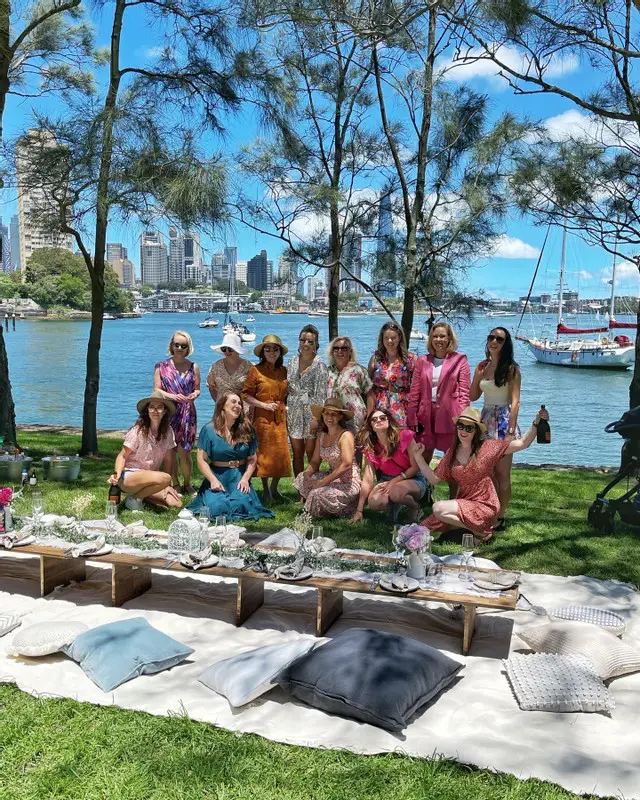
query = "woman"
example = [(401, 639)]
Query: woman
[(334, 493), (439, 392), (391, 370), (228, 374), (386, 448), (227, 459), (348, 380), (470, 461), (498, 378), (178, 379), (307, 376), (265, 389), (147, 446)]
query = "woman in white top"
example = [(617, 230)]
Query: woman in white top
[(498, 379)]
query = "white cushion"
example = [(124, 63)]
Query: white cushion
[(245, 677), (45, 638), (8, 623), (607, 653), (608, 620), (543, 682)]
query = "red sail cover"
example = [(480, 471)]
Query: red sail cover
[(562, 328), (614, 324)]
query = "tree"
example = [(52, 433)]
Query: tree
[(588, 182)]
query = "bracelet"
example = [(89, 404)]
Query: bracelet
[(535, 424), (404, 475)]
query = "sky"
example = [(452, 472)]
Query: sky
[(507, 274)]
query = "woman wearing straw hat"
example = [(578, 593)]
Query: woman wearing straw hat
[(228, 374), (147, 446), (266, 390), (334, 493), (470, 462)]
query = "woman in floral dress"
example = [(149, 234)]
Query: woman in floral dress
[(334, 493), (178, 379), (228, 374), (470, 462), (391, 370), (348, 380), (307, 376)]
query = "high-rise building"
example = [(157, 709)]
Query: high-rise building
[(117, 256), (220, 267), (269, 274), (36, 206), (351, 258), (14, 235), (185, 256), (287, 280), (154, 262), (116, 250), (231, 256), (5, 261), (241, 271), (385, 270), (257, 272)]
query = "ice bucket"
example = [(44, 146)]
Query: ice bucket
[(11, 469), (61, 468)]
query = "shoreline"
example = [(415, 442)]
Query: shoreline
[(119, 434)]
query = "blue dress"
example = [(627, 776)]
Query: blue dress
[(233, 503)]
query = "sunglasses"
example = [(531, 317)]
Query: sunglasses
[(339, 347), (179, 346), (271, 348), (460, 426), (227, 350), (492, 338), (307, 341), (378, 418)]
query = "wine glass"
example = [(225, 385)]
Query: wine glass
[(220, 531), (316, 532), (36, 507), (467, 552), (202, 516), (111, 515)]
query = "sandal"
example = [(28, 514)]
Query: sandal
[(500, 525)]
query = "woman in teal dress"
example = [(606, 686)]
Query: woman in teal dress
[(227, 458)]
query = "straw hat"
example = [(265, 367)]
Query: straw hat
[(169, 404), (270, 338), (333, 404), (471, 414), (231, 340)]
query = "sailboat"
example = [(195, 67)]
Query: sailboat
[(607, 352), (231, 325)]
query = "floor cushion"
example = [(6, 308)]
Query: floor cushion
[(45, 638)]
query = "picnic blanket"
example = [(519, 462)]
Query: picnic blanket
[(477, 721)]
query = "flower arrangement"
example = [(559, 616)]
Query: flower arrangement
[(5, 496), (80, 504), (413, 537), (303, 524)]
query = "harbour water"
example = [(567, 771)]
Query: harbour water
[(47, 364)]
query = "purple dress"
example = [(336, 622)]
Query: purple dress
[(184, 421)]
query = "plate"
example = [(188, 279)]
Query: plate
[(103, 551), (498, 581), (305, 572), (412, 585), (212, 561)]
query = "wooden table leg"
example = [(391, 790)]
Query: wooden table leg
[(328, 610), (128, 582), (249, 597), (59, 572), (469, 622)]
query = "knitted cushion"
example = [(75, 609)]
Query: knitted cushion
[(45, 638), (557, 683), (8, 623), (594, 616)]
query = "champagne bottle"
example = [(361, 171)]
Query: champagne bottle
[(114, 493), (544, 431)]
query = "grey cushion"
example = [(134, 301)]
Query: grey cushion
[(371, 676)]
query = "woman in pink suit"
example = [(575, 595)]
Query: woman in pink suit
[(439, 392)]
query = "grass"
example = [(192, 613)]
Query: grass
[(64, 749)]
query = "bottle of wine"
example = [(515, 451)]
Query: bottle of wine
[(544, 431), (114, 493)]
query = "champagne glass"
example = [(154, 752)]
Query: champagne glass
[(395, 540), (111, 515), (37, 505), (202, 516), (220, 531), (467, 552), (316, 532)]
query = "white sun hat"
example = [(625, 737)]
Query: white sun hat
[(231, 340)]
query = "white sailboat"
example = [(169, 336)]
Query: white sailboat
[(231, 325), (607, 352), (209, 322)]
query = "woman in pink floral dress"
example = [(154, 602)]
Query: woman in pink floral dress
[(391, 370), (334, 493), (348, 380)]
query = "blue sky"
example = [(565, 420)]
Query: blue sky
[(509, 272)]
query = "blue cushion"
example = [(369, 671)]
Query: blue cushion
[(371, 676), (119, 651)]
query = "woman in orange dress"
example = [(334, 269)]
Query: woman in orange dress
[(266, 390)]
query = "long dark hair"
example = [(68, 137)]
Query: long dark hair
[(476, 444), (381, 352), (278, 362), (241, 430), (312, 330), (367, 439), (143, 423), (507, 365)]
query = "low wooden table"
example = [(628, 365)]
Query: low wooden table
[(131, 577)]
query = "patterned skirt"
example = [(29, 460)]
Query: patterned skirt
[(496, 418)]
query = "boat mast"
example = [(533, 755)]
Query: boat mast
[(563, 258), (612, 305)]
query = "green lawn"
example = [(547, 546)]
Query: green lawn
[(63, 749)]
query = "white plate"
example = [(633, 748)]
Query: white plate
[(212, 561), (498, 581), (103, 551), (412, 585), (305, 572)]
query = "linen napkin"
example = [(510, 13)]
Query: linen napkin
[(200, 560), (90, 548)]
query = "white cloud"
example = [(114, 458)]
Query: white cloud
[(625, 271), (511, 247), (584, 275), (573, 124), (475, 64)]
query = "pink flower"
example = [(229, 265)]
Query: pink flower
[(5, 496), (413, 537)]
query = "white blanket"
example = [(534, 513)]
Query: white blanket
[(477, 721)]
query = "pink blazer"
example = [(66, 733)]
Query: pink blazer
[(452, 394)]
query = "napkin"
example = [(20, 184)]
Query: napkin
[(321, 544), (8, 540), (200, 560), (293, 569), (87, 548), (400, 582)]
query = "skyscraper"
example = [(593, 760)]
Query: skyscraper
[(241, 271), (154, 262), (220, 268), (257, 272), (36, 207), (351, 258), (14, 235), (185, 257), (116, 250), (385, 270), (5, 263)]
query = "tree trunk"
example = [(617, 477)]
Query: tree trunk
[(634, 387), (7, 410), (334, 270), (410, 285)]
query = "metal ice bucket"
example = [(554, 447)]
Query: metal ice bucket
[(61, 468)]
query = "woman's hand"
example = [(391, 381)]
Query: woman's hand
[(216, 486), (542, 414), (113, 479), (179, 398), (191, 397), (270, 406), (416, 448), (357, 517), (243, 486)]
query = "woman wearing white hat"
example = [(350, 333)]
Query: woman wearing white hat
[(228, 374), (470, 462)]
